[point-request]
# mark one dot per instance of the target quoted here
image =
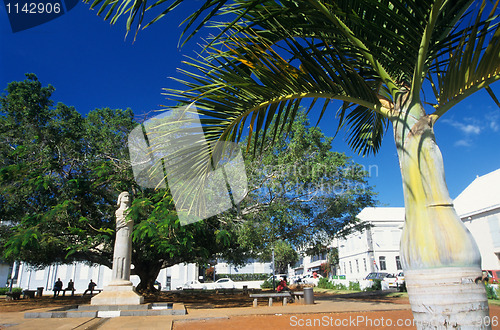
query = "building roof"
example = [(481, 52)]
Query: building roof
[(385, 214), (482, 195)]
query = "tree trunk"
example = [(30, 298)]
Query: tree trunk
[(439, 256), (148, 275)]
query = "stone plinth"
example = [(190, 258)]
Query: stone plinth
[(117, 295)]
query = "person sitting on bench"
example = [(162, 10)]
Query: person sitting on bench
[(90, 288), (71, 286), (57, 287), (282, 285)]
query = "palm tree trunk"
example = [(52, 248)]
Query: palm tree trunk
[(439, 255)]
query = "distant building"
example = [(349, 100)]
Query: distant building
[(479, 208), (5, 269), (253, 266), (375, 249), (81, 274)]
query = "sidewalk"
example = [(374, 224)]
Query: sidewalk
[(16, 320)]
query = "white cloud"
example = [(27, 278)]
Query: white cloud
[(493, 119), (463, 143), (467, 128)]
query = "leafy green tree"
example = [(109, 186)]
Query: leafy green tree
[(46, 182), (60, 174), (377, 57), (299, 191)]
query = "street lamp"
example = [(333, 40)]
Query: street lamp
[(274, 286)]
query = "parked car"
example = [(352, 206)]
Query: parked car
[(194, 284), (309, 279), (376, 276), (400, 279), (391, 280), (224, 283), (277, 278)]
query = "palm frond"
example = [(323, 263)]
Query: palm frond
[(470, 61)]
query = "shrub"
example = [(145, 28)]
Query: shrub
[(340, 286), (376, 285), (490, 292), (324, 283), (354, 286), (5, 290), (267, 284), (245, 277)]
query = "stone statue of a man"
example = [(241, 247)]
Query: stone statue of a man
[(122, 254)]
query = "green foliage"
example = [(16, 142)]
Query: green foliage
[(4, 290), (354, 286), (246, 277), (299, 191), (268, 284), (376, 285), (324, 283), (60, 174), (491, 292)]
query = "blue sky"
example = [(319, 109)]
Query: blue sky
[(92, 65)]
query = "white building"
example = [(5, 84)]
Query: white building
[(252, 267), (479, 208), (28, 278), (374, 249), (4, 273)]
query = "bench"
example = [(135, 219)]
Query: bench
[(298, 295), (284, 295), (29, 293), (64, 292), (13, 295), (91, 291)]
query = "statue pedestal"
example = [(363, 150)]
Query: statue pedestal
[(117, 295)]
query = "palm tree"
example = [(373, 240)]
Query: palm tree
[(377, 57)]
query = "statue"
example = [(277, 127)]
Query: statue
[(120, 291), (122, 254)]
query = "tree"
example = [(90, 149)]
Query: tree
[(46, 180), (299, 192), (60, 174), (377, 57)]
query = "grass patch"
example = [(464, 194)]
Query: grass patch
[(398, 295), (334, 291)]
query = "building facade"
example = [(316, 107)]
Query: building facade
[(374, 249), (479, 208), (81, 274)]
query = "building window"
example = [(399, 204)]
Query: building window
[(364, 262), (350, 267), (398, 263), (357, 266), (345, 270), (381, 261)]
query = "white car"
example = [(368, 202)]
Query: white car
[(224, 283), (194, 284), (309, 279), (277, 278), (391, 280)]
